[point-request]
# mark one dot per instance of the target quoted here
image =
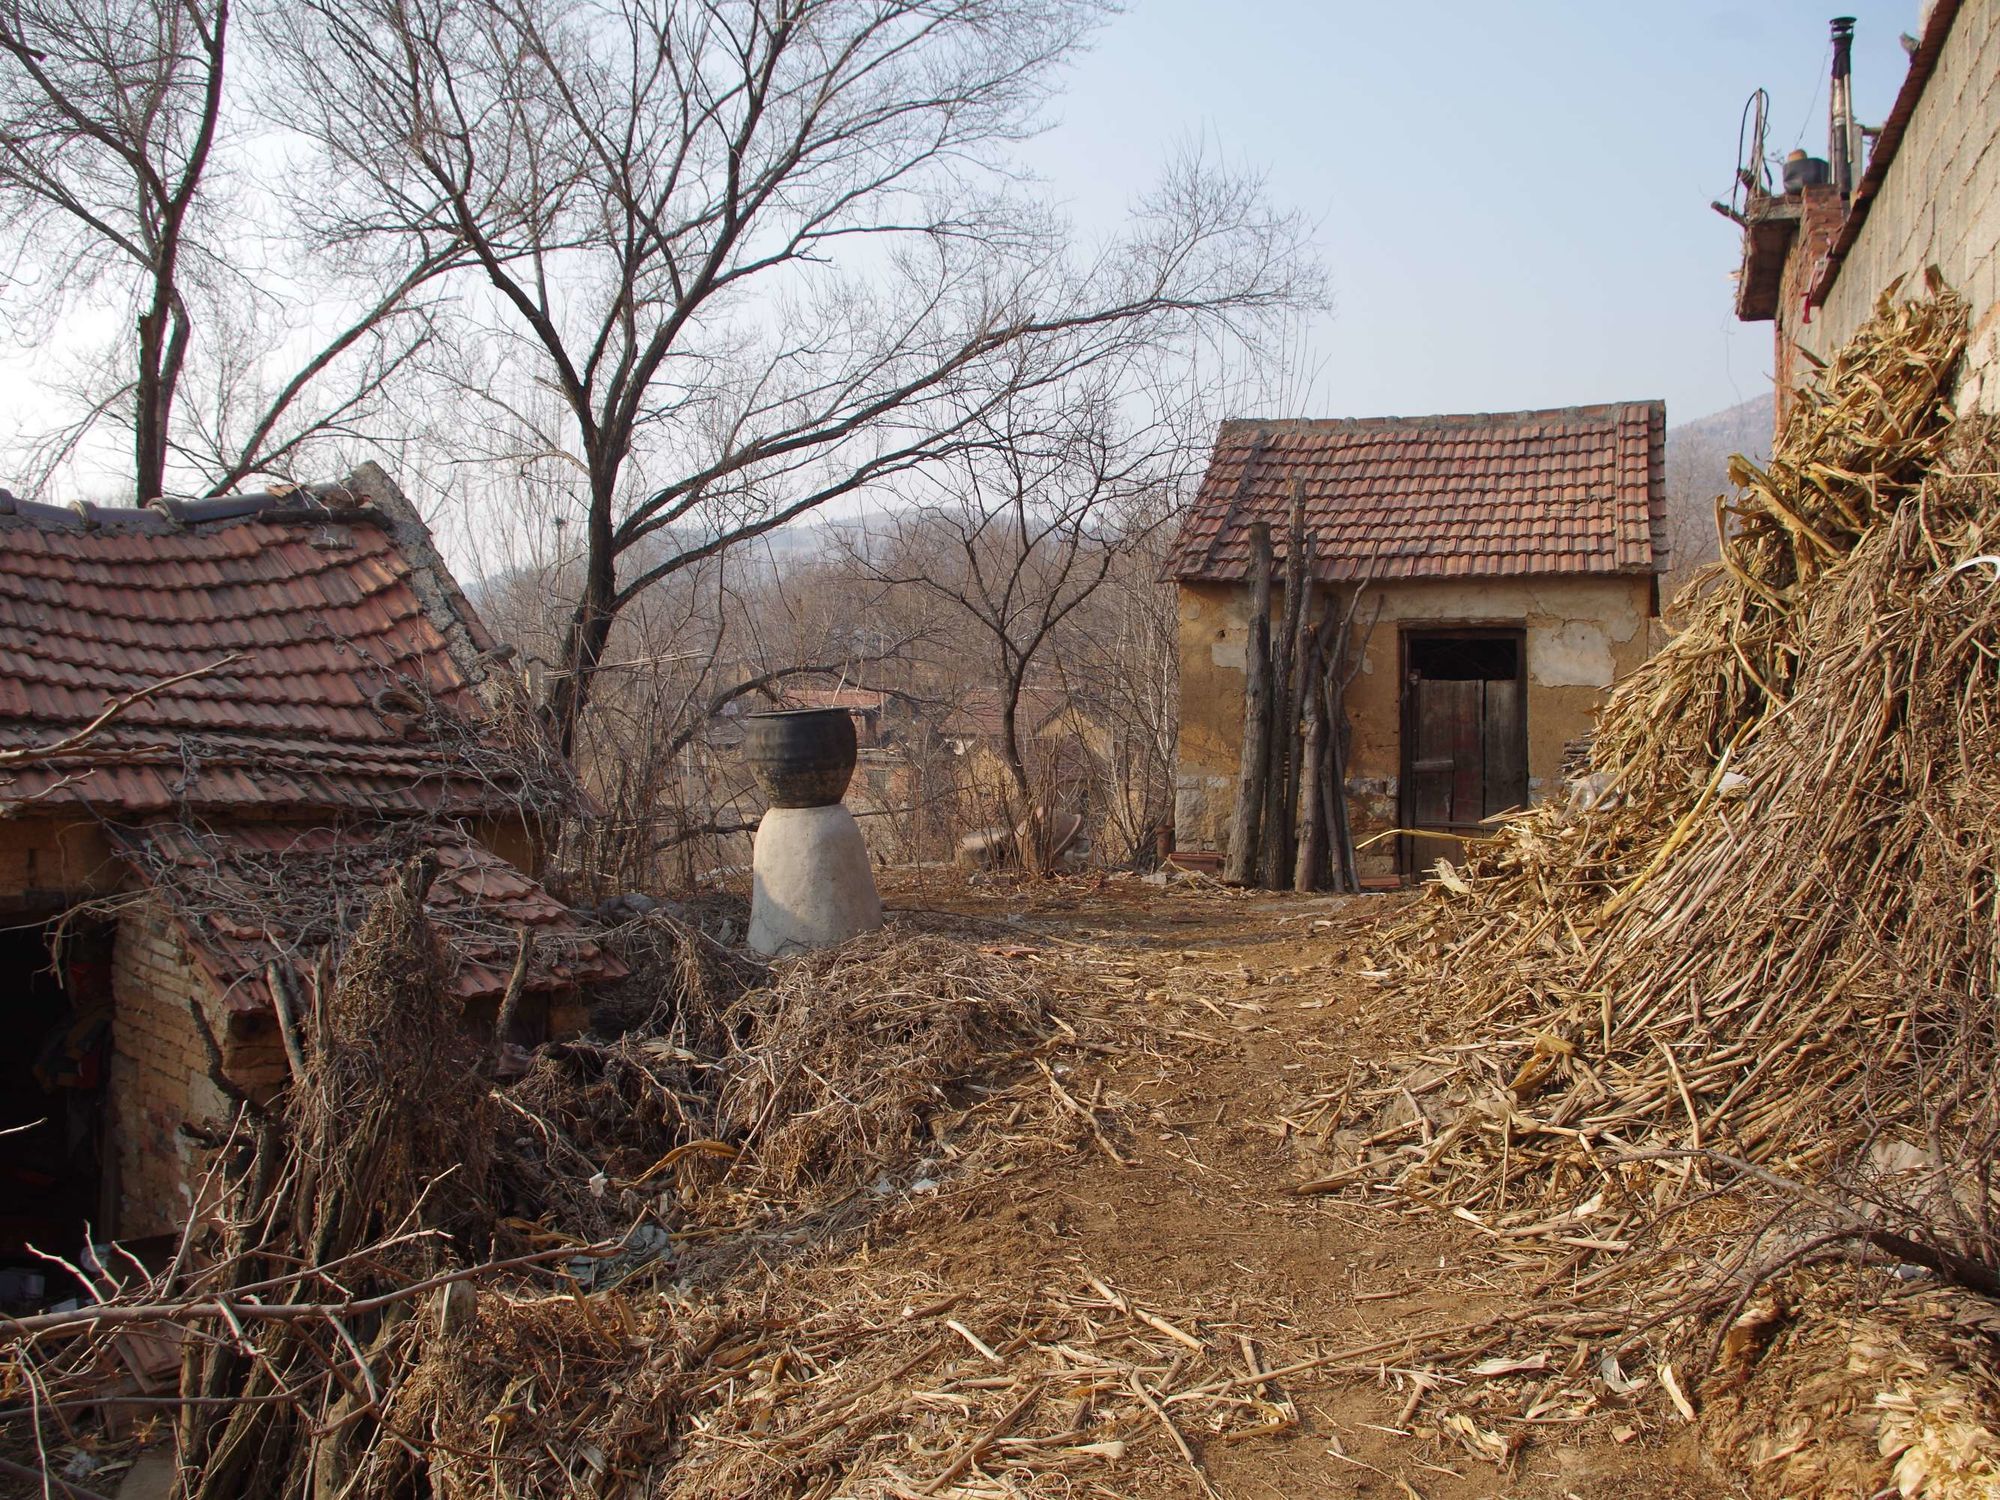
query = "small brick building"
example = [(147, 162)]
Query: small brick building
[(1510, 564), (336, 713)]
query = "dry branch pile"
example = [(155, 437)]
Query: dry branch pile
[(343, 1335), (850, 1053), (1733, 1005), (841, 1379), (597, 1125)]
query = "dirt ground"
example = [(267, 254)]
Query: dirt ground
[(1244, 1008), (1223, 1027)]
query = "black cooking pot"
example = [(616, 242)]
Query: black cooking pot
[(801, 757)]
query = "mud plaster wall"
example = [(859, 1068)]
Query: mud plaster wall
[(1582, 634), (1939, 204)]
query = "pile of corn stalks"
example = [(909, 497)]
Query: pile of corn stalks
[(1730, 1005)]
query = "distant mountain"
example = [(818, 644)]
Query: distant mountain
[(1698, 454)]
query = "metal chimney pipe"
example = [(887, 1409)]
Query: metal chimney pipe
[(1840, 108)]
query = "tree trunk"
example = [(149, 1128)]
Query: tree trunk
[(589, 623), (1032, 850), (1240, 868), (162, 346)]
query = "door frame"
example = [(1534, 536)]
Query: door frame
[(1408, 857)]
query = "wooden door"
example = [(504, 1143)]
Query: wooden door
[(1465, 752)]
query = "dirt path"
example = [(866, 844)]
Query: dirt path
[(1099, 1278), (1243, 1010)]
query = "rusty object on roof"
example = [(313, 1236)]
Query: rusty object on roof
[(260, 893), (351, 663), (1574, 490)]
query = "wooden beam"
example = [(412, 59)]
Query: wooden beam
[(1280, 791)]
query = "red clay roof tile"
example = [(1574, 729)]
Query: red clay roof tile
[(325, 612), (1570, 490)]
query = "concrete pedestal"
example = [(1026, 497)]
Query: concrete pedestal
[(811, 886)]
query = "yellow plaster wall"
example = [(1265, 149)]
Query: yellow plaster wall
[(1582, 634)]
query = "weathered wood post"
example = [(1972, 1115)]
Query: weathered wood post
[(1240, 868), (1346, 876), (1280, 794), (1305, 869)]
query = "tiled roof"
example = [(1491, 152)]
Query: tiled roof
[(978, 714), (857, 700), (1577, 490), (232, 891), (354, 655)]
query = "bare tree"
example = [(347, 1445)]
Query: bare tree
[(124, 182), (767, 252), (1122, 662), (110, 116), (730, 635), (1016, 536)]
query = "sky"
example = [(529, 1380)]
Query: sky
[(1511, 200)]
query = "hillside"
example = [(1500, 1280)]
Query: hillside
[(1697, 471)]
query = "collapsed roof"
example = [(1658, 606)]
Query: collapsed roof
[(258, 893)]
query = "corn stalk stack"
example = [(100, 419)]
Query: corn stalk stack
[(1731, 1007)]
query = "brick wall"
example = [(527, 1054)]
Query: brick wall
[(1938, 205), (159, 1072), (49, 863)]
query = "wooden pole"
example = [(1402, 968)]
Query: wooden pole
[(1240, 866), (285, 1004), (1342, 668), (1280, 791), (1307, 650), (1349, 878), (517, 982), (1305, 869)]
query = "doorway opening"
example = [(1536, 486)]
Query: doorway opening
[(1464, 737), (56, 978)]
